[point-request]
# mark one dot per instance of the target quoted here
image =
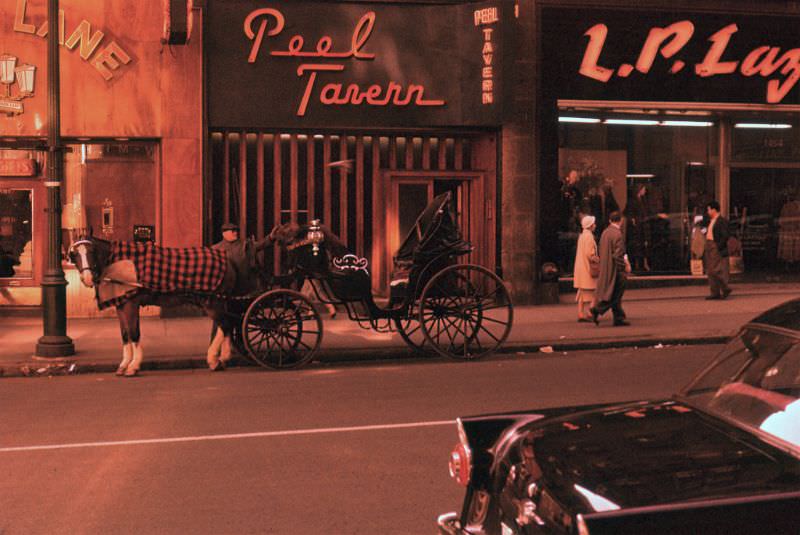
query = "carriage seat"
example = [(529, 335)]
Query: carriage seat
[(400, 273)]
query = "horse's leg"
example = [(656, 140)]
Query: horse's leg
[(216, 341), (127, 347), (225, 350), (132, 311)]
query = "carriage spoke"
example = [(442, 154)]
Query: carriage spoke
[(304, 344), (484, 329), (493, 320)]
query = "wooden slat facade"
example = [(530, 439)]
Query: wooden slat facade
[(290, 179)]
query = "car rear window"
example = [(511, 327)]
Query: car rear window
[(755, 381), (786, 316)]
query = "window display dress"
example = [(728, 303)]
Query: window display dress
[(789, 232)]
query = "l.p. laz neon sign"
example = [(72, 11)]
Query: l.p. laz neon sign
[(270, 22), (764, 61)]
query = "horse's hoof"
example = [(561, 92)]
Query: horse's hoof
[(133, 372)]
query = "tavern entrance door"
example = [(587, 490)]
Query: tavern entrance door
[(411, 191)]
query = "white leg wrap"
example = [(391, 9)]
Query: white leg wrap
[(127, 356), (214, 349), (136, 362)]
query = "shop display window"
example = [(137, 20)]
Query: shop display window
[(110, 188), (658, 170), (16, 233), (765, 192)]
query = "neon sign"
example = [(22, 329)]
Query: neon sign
[(482, 17), (107, 59), (781, 67), (269, 22)]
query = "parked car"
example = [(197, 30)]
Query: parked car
[(721, 456)]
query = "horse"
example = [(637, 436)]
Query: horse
[(129, 275)]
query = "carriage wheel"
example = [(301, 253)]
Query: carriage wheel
[(410, 330), (465, 312), (281, 329)]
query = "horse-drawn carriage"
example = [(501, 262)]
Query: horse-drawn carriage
[(436, 304)]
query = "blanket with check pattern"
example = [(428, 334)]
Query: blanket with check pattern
[(169, 269)]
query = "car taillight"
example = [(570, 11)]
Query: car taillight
[(460, 464)]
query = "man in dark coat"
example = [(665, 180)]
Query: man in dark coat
[(242, 256), (716, 254), (613, 272)]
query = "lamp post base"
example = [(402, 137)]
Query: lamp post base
[(55, 346)]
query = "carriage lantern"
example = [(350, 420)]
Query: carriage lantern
[(315, 235)]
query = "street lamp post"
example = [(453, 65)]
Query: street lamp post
[(54, 342)]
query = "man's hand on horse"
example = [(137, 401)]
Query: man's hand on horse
[(273, 234)]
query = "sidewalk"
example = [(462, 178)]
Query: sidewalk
[(676, 315)]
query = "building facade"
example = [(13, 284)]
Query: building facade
[(357, 114), (131, 121), (655, 110), (532, 113)]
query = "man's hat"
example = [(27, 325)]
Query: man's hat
[(230, 226)]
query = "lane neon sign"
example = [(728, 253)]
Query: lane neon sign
[(269, 22), (107, 59), (765, 61)]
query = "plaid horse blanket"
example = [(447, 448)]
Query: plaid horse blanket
[(169, 269)]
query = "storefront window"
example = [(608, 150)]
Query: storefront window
[(765, 192), (16, 235), (109, 188), (657, 170)]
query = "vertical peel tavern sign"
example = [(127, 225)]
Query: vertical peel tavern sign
[(657, 56), (286, 64)]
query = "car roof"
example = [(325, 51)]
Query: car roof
[(785, 316)]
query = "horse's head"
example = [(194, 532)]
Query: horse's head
[(90, 256), (287, 234)]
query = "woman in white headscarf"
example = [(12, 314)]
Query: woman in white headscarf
[(582, 276)]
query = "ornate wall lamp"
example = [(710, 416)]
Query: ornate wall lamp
[(24, 75)]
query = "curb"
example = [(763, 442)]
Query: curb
[(60, 367)]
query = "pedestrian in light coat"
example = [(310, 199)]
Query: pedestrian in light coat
[(582, 276)]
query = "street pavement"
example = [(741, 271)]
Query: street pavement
[(658, 316), (335, 450)]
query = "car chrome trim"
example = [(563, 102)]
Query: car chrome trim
[(632, 511), (583, 529), (448, 524), (791, 333)]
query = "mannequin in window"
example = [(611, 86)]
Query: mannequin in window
[(640, 239), (572, 211), (789, 230), (601, 202)]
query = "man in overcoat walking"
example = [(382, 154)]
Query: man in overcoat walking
[(613, 272), (716, 254)]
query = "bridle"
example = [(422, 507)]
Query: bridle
[(73, 253)]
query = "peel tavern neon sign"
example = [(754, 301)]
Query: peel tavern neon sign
[(783, 68), (268, 22)]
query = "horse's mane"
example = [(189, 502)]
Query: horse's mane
[(292, 235)]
